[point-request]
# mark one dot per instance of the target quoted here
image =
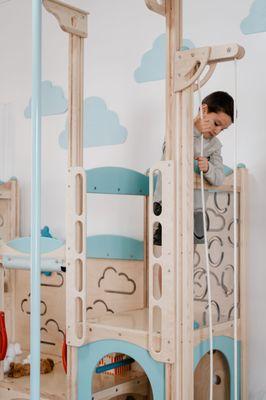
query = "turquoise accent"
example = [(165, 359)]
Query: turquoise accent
[(92, 353), (196, 325), (46, 244), (101, 126), (114, 247), (255, 22), (114, 365), (227, 170), (117, 180), (225, 345), (153, 66), (53, 100), (45, 232), (241, 165)]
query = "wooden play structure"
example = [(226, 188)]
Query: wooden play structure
[(111, 295)]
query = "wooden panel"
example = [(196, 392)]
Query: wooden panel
[(113, 286), (221, 387), (221, 256)]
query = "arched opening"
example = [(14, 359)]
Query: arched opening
[(119, 377), (221, 377)]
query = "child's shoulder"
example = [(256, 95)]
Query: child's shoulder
[(216, 143)]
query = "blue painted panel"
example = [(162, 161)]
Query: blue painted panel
[(91, 354), (225, 345), (114, 247), (47, 244), (116, 180)]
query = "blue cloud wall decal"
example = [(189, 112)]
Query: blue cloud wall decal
[(255, 22), (101, 125), (153, 62), (53, 100)]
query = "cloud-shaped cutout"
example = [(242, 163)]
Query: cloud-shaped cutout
[(256, 20), (53, 100), (98, 308), (153, 63), (121, 283), (25, 306), (51, 333), (101, 126), (55, 280)]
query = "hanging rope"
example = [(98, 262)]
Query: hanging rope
[(206, 257), (235, 240)]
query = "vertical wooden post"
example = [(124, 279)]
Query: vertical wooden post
[(243, 280), (179, 148), (74, 21)]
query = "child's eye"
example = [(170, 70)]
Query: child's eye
[(215, 123)]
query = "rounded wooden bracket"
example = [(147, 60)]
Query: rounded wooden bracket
[(189, 65), (156, 6), (206, 77)]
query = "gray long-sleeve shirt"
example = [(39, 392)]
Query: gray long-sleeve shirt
[(212, 151)]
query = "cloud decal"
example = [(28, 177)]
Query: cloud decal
[(99, 308), (121, 283), (255, 22), (101, 125), (153, 62), (53, 100)]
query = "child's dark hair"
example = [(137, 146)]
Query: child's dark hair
[(220, 102)]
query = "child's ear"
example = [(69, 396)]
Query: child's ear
[(204, 109)]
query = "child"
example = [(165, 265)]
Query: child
[(218, 114)]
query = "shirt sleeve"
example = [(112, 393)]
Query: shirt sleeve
[(215, 174)]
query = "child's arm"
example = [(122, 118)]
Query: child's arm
[(215, 174)]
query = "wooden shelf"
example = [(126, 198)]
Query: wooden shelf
[(131, 326)]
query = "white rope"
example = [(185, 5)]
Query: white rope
[(235, 240), (207, 258)]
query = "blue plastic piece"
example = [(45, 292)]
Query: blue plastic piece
[(196, 325), (114, 247), (241, 165), (92, 353), (225, 345), (45, 232), (46, 244), (116, 180), (114, 365)]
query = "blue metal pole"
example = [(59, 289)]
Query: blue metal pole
[(35, 200)]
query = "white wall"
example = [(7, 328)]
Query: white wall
[(120, 31)]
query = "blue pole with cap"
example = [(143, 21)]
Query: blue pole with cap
[(35, 199)]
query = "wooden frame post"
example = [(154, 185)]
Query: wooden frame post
[(184, 69), (74, 21)]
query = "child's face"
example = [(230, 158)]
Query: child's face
[(218, 121)]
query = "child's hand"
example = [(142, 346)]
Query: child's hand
[(203, 164), (206, 127)]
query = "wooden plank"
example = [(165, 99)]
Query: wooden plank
[(243, 281), (71, 19)]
